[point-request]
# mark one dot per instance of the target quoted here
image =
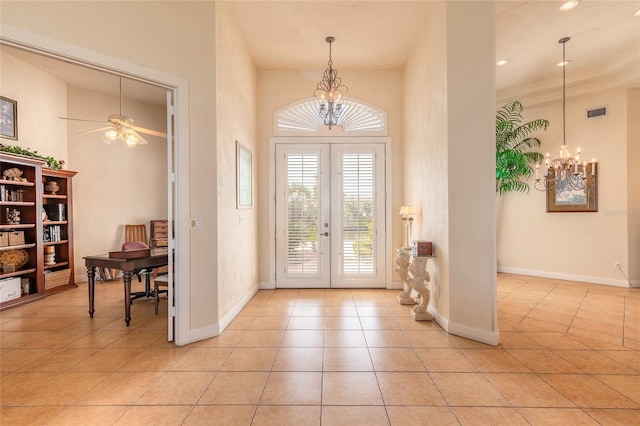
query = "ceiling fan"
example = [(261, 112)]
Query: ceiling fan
[(120, 127)]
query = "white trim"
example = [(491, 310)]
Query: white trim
[(266, 285), (206, 332), (476, 334), (395, 285), (563, 276), (58, 49), (386, 140), (635, 283), (230, 316)]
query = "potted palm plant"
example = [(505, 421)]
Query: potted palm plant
[(514, 145)]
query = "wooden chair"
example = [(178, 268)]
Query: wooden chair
[(133, 234), (160, 281)]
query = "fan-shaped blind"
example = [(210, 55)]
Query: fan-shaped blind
[(304, 118)]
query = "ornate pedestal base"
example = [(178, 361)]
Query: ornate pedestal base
[(414, 274), (402, 268)]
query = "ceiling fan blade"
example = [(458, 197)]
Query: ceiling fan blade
[(148, 131), (94, 130), (82, 119)]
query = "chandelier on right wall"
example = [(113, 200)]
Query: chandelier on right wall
[(565, 171)]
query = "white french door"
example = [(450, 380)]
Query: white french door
[(330, 215)]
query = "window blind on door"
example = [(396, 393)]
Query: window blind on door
[(358, 210), (302, 213)]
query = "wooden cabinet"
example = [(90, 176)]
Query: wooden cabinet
[(36, 232)]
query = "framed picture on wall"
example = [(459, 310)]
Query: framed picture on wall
[(561, 197), (8, 118), (244, 176)]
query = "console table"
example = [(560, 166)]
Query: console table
[(413, 272)]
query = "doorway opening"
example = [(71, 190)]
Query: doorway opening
[(177, 159)]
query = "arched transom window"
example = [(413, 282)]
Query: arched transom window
[(357, 119)]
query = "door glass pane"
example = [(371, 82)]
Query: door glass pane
[(302, 213), (358, 212)]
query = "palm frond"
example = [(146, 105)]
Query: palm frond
[(513, 148)]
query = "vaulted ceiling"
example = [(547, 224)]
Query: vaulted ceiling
[(285, 35)]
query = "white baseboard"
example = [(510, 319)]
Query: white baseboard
[(229, 316), (635, 283), (266, 285), (395, 285), (487, 337), (213, 330), (563, 276), (206, 332)]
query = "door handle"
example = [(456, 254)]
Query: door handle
[(326, 234)]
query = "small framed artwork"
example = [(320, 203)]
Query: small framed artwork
[(562, 197), (244, 176), (8, 118)]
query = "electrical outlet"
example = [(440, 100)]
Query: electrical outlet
[(616, 265)]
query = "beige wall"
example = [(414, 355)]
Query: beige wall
[(237, 228), (276, 89), (177, 39), (103, 197), (449, 81), (41, 100), (578, 246), (424, 165)]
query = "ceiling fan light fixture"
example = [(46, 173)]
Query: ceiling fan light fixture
[(636, 13), (502, 62), (111, 135), (563, 63)]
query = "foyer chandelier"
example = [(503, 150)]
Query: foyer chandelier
[(330, 91), (564, 171)]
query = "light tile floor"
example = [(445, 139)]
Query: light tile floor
[(569, 354)]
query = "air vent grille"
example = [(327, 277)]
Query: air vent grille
[(597, 112)]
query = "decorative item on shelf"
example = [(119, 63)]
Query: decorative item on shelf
[(4, 239), (52, 187), (13, 260), (44, 215), (25, 285), (52, 163), (330, 90), (564, 173), (54, 279), (12, 216), (16, 238), (49, 255), (407, 213), (13, 174), (421, 248)]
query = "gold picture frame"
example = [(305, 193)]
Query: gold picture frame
[(562, 199)]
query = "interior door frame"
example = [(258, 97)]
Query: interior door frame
[(178, 171), (354, 140)]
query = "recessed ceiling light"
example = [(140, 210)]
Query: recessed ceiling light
[(502, 62), (636, 13), (568, 5), (563, 63)]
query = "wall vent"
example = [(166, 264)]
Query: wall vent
[(597, 112)]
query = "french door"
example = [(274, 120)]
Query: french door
[(330, 215)]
